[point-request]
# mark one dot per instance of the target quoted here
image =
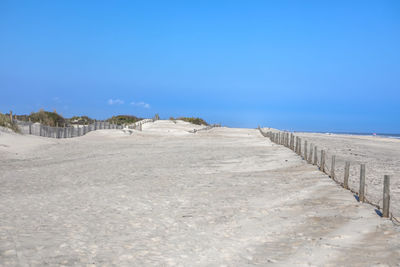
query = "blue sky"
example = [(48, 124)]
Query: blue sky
[(297, 65)]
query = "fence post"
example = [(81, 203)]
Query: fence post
[(310, 156), (322, 166), (291, 145), (333, 167), (299, 146), (315, 155), (386, 196), (346, 175), (305, 150), (361, 194), (287, 139)]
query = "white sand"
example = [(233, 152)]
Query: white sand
[(380, 155), (167, 197)]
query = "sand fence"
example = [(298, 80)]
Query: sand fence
[(318, 156), (73, 130)]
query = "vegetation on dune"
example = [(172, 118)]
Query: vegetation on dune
[(80, 120), (193, 120), (5, 121), (47, 118), (123, 119), (54, 119)]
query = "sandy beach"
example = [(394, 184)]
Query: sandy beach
[(380, 155), (168, 197)]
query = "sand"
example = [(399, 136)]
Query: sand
[(164, 196), (380, 155)]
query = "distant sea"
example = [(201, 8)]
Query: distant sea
[(397, 136), (385, 135)]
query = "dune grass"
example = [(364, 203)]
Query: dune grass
[(47, 118), (123, 119), (5, 121), (197, 121)]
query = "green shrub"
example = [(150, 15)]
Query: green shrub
[(5, 121), (123, 119), (80, 120), (47, 118), (193, 120)]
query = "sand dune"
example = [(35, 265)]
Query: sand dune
[(165, 196)]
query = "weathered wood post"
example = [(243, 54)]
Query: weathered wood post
[(30, 126), (333, 167), (11, 118), (305, 150), (296, 149), (291, 141), (287, 139), (386, 196), (361, 192), (315, 155), (322, 166), (299, 147), (40, 129), (310, 156), (346, 175)]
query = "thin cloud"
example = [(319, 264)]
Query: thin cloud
[(115, 101), (140, 104)]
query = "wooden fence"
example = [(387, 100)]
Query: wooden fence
[(309, 152), (73, 130), (206, 128)]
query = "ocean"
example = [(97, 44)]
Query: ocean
[(386, 135)]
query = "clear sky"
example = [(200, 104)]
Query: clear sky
[(297, 65)]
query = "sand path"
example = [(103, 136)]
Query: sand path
[(168, 197)]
